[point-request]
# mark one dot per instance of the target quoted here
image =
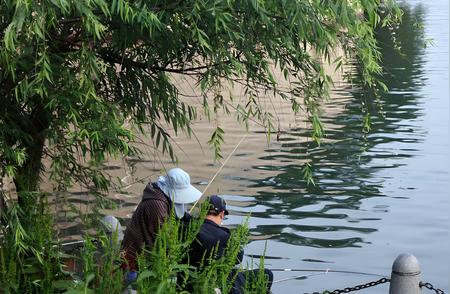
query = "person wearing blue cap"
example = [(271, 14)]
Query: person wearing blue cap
[(212, 236), (211, 232)]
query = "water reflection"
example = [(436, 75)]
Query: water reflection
[(344, 166)]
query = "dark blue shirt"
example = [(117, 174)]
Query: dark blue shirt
[(211, 239)]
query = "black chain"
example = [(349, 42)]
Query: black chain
[(430, 287), (357, 287)]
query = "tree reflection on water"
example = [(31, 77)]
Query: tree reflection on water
[(348, 170)]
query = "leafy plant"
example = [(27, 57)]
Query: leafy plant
[(29, 257)]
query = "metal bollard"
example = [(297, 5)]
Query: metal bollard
[(405, 277)]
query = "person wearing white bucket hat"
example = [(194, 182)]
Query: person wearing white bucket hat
[(173, 189), (177, 186)]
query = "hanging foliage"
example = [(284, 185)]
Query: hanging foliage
[(80, 79)]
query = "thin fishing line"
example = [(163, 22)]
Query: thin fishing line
[(218, 171), (297, 277), (325, 271)]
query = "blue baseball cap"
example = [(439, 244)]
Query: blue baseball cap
[(218, 204)]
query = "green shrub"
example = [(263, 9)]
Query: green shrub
[(29, 256), (31, 261)]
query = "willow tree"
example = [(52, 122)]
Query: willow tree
[(79, 79)]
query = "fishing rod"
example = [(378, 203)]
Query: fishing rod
[(218, 171), (297, 277), (72, 243), (77, 243), (324, 271)]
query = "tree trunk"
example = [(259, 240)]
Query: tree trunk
[(3, 207), (27, 176)]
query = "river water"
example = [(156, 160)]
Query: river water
[(376, 196)]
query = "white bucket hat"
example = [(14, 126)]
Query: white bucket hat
[(177, 185), (113, 227)]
